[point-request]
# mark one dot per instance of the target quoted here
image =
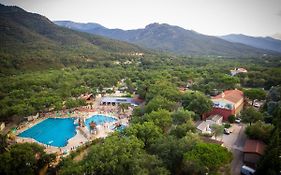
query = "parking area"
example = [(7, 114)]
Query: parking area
[(235, 142)]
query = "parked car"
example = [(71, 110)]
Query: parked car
[(226, 131), (238, 120), (245, 170)]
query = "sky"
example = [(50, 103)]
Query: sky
[(211, 17)]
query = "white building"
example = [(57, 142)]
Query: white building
[(203, 127), (214, 119)]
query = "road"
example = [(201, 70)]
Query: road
[(235, 142)]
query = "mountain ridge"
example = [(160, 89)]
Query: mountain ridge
[(268, 43), (169, 38)]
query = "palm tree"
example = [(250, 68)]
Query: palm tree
[(123, 107)]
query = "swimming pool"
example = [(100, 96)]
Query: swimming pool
[(120, 128), (52, 131), (99, 119)]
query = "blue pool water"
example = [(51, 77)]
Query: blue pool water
[(120, 128), (52, 131), (99, 120)]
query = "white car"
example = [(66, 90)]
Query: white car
[(238, 120), (226, 131)]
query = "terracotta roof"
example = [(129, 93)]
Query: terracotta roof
[(242, 69), (254, 146), (86, 96), (138, 100), (231, 95)]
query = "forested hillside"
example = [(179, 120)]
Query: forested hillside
[(31, 41)]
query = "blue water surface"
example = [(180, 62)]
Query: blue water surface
[(120, 128), (99, 120), (52, 131)]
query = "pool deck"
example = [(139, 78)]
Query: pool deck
[(79, 139)]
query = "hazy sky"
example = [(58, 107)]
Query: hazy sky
[(212, 17)]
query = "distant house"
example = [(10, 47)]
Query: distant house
[(86, 97), (237, 71), (203, 127), (119, 100), (227, 103), (253, 150), (182, 89), (214, 119)]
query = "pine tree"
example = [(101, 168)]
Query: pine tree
[(270, 163)]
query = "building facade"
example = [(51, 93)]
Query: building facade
[(227, 103)]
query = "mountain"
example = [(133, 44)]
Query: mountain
[(79, 26), (31, 41), (258, 42), (173, 39)]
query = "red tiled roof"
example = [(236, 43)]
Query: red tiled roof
[(138, 100), (86, 97), (254, 146), (231, 95)]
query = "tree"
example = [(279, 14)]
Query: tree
[(208, 155), (250, 115), (181, 130), (147, 132), (71, 103), (231, 119), (161, 118), (274, 94), (117, 155), (26, 158), (259, 130), (181, 116), (255, 94), (270, 162), (196, 102), (3, 142), (171, 150), (159, 102), (217, 130), (163, 88)]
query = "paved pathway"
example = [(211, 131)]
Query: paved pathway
[(235, 142)]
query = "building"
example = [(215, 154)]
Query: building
[(87, 97), (237, 71), (118, 100), (203, 127), (227, 103), (214, 119), (253, 150)]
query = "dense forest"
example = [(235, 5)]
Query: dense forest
[(32, 92), (44, 67), (162, 137)]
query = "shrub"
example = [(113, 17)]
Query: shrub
[(231, 119)]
